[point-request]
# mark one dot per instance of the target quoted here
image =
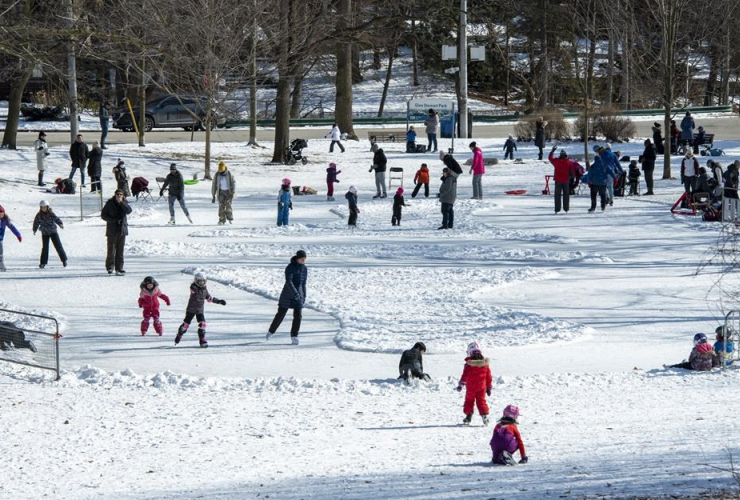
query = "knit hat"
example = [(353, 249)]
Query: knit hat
[(473, 347), (441, 155), (2, 209), (120, 162), (173, 166), (633, 163), (353, 190), (300, 254), (42, 134), (472, 144), (563, 154), (608, 146), (399, 191), (656, 124), (333, 165), (596, 148), (221, 166), (286, 182)]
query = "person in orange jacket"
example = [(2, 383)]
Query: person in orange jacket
[(421, 179), (477, 380)]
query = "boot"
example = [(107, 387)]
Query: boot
[(294, 340), (485, 419), (468, 418), (202, 335), (180, 332), (172, 220), (144, 326), (377, 196), (158, 327), (507, 459)]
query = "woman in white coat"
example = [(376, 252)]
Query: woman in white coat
[(42, 151), (336, 138)]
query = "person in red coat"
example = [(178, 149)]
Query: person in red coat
[(564, 172), (477, 380), (149, 301)]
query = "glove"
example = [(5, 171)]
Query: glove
[(371, 169), (280, 206), (358, 210), (220, 302), (337, 181), (167, 301), (460, 386), (141, 303), (213, 200), (20, 239), (553, 149), (488, 391), (524, 460), (290, 206)]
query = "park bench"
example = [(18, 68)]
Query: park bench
[(386, 136)]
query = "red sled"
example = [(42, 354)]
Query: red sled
[(516, 192), (691, 210)]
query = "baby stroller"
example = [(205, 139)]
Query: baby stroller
[(293, 154), (140, 188)]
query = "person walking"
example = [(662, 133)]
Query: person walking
[(421, 179), (6, 224), (331, 179), (336, 138), (47, 221), (104, 115), (539, 135), (78, 152), (647, 158), (447, 197), (658, 138), (119, 172), (478, 170), (223, 188), (564, 172), (687, 130), (431, 124), (42, 151), (509, 148), (351, 198), (293, 296), (689, 172), (597, 177), (114, 214), (379, 165), (94, 167), (176, 192)]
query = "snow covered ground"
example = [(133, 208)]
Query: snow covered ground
[(577, 312)]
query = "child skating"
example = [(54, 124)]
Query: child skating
[(196, 304), (506, 439), (149, 302), (476, 379), (351, 197), (5, 223), (285, 203), (331, 178), (421, 179), (47, 221), (398, 204)]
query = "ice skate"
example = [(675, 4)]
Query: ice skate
[(189, 219), (268, 336), (172, 221), (468, 418), (485, 420), (294, 340)]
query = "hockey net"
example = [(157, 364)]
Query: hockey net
[(29, 339)]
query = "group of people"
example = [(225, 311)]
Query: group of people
[(704, 356), (679, 137), (477, 381), (45, 221)]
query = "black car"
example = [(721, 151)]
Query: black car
[(167, 112)]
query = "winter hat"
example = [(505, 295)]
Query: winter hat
[(42, 134), (511, 138), (374, 148), (701, 128), (608, 146), (332, 165), (472, 145), (286, 182), (199, 276), (399, 191), (300, 254), (120, 162), (353, 190), (563, 154), (596, 148), (420, 346), (656, 124), (700, 338), (441, 155), (633, 163), (689, 153), (173, 166), (221, 166), (2, 209), (43, 203), (473, 347), (511, 411)]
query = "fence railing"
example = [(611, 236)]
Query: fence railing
[(24, 342)]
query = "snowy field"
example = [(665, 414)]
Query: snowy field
[(578, 313)]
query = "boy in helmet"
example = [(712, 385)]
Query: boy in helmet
[(149, 302), (506, 439), (702, 357), (198, 296), (411, 363)]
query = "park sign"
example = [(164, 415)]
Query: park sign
[(418, 109)]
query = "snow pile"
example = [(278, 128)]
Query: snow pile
[(386, 310)]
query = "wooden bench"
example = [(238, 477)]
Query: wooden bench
[(386, 136)]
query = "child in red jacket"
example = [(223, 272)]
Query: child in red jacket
[(149, 301), (506, 439), (477, 379)]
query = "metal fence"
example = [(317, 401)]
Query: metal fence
[(29, 339), (731, 334)]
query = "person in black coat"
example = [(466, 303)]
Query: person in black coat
[(398, 203), (411, 363), (731, 180), (647, 158), (94, 167), (293, 296), (658, 138), (114, 214), (78, 152), (379, 165), (175, 185)]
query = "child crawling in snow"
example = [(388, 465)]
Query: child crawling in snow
[(476, 379), (506, 439)]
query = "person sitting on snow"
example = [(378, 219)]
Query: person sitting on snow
[(722, 348), (702, 357), (506, 439), (411, 363)]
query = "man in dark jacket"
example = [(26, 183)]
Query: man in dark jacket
[(564, 172), (379, 164), (293, 296), (658, 138), (411, 363), (78, 153), (176, 185), (447, 196), (647, 158), (94, 167), (451, 163), (114, 214)]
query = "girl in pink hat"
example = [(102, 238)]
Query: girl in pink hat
[(398, 202), (506, 439)]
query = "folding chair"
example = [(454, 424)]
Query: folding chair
[(700, 201), (160, 183), (399, 176), (140, 189)]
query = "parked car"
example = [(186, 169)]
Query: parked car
[(167, 112)]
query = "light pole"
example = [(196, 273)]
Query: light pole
[(463, 54)]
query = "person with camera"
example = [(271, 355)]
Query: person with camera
[(114, 214)]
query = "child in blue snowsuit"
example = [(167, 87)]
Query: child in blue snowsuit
[(285, 203), (411, 140), (722, 348)]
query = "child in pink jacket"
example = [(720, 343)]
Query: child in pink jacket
[(149, 301), (478, 169)]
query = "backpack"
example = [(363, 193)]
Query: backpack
[(421, 148), (65, 186)]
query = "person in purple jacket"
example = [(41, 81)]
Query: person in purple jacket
[(331, 178), (5, 223), (506, 439)]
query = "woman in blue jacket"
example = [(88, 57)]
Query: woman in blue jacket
[(597, 178), (293, 296)]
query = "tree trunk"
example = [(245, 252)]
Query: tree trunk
[(296, 95), (18, 86), (414, 55), (610, 70), (74, 124), (282, 119), (712, 77), (209, 118), (626, 68), (543, 63), (508, 68), (356, 67), (142, 105), (343, 103), (253, 83), (376, 60), (388, 74)]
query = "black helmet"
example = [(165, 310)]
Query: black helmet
[(420, 346), (149, 280)]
